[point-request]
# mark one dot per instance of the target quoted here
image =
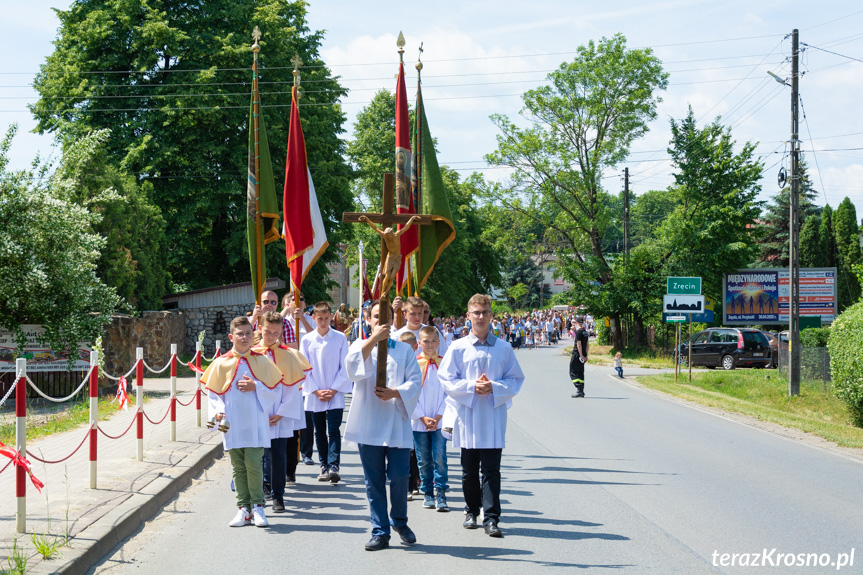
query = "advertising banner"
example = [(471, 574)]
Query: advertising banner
[(761, 296), (38, 356)]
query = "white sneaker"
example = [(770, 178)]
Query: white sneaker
[(259, 517), (241, 518)]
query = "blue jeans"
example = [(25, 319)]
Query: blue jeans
[(325, 422), (619, 371), (380, 463), (430, 447)]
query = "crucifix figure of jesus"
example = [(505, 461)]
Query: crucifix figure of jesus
[(390, 254)]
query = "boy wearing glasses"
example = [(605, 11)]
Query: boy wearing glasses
[(481, 375)]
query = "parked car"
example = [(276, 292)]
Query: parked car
[(728, 348)]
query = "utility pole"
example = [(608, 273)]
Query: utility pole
[(794, 237), (626, 211)]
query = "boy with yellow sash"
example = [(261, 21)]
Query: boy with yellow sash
[(429, 443), (286, 416), (242, 387)]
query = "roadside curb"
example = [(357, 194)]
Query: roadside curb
[(97, 540)]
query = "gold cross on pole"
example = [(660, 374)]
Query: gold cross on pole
[(390, 255)]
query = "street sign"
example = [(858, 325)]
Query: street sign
[(686, 304), (683, 286), (675, 318)]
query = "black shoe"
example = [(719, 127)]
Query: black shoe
[(268, 491), (291, 479), (408, 536), (334, 474), (469, 521), (577, 395), (308, 461), (377, 543), (278, 505), (492, 529)]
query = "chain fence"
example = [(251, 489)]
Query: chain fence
[(814, 364)]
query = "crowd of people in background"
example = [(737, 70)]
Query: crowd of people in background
[(528, 330)]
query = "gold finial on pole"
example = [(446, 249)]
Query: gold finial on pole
[(297, 62), (256, 35), (419, 65), (401, 44)]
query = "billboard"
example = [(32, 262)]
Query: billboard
[(39, 357), (761, 296)]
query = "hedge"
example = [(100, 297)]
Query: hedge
[(815, 337), (846, 359)]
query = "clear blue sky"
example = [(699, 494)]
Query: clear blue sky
[(480, 56)]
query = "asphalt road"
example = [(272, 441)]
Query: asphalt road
[(624, 480)]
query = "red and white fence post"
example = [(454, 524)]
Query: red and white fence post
[(21, 444), (139, 398), (218, 348), (197, 382), (94, 414), (173, 392)]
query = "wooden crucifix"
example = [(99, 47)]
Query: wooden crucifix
[(390, 255)]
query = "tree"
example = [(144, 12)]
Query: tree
[(133, 259), (49, 254), (709, 232), (847, 234), (582, 123), (827, 237), (811, 253), (469, 264), (776, 218), (172, 82)]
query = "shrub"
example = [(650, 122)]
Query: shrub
[(846, 360), (814, 337)]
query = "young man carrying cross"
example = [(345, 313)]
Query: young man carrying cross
[(379, 423)]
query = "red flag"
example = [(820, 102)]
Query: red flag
[(376, 286), (305, 238), (367, 293), (404, 196)]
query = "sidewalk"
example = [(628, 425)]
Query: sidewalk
[(129, 491)]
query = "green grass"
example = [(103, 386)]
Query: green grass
[(764, 395), (78, 413)]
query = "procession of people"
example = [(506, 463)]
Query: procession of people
[(277, 382)]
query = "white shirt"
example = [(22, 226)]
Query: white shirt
[(441, 350), (327, 355), (245, 411), (290, 407), (372, 421), (431, 402), (481, 422)]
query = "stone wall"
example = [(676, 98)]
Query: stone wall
[(154, 331), (215, 321)]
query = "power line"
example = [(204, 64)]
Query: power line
[(831, 52), (814, 155)]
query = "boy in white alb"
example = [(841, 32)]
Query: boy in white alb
[(379, 423), (414, 312), (325, 387), (429, 443), (481, 374), (287, 415), (242, 387)]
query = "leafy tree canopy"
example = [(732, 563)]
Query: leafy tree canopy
[(172, 81)]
